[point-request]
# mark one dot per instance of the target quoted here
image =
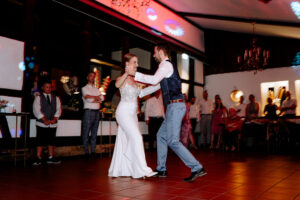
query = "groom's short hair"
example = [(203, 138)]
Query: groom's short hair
[(164, 47)]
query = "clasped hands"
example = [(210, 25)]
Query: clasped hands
[(48, 122)]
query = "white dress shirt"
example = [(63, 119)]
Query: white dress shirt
[(165, 70), (206, 106), (242, 108), (288, 103), (93, 91), (154, 107), (194, 111), (38, 113)]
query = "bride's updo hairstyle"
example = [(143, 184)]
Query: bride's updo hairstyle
[(127, 57)]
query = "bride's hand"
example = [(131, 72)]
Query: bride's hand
[(126, 70), (129, 70)]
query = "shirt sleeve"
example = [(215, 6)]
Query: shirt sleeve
[(58, 108), (37, 108), (148, 90), (164, 70)]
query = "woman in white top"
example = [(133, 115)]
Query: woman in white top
[(129, 154)]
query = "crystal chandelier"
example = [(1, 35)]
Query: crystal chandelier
[(254, 58), (130, 6)]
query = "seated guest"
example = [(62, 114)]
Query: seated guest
[(252, 108), (288, 107), (47, 110), (233, 127), (270, 110)]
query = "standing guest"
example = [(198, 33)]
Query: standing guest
[(167, 79), (90, 121), (206, 108), (218, 122), (154, 116), (241, 107), (252, 108), (47, 110), (194, 117), (270, 110), (186, 134), (289, 106), (233, 128)]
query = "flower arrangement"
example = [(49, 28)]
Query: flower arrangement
[(3, 103)]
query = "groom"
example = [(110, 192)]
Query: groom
[(166, 77)]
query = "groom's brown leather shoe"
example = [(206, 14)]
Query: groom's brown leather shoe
[(161, 174)]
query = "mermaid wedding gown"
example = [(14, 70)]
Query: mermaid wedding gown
[(129, 154)]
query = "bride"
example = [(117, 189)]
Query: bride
[(129, 154)]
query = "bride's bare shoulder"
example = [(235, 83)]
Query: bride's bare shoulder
[(124, 83)]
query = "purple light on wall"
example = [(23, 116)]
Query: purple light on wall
[(151, 14), (173, 27)]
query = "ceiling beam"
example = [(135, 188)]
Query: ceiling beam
[(239, 19)]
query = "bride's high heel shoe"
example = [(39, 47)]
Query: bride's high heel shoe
[(151, 174)]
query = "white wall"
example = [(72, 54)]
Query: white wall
[(249, 83), (66, 128), (11, 57)]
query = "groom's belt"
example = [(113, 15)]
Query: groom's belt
[(176, 101)]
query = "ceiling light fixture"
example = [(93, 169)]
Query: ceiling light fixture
[(254, 58)]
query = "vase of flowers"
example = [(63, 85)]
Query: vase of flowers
[(3, 105)]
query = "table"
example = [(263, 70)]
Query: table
[(281, 133), (25, 134)]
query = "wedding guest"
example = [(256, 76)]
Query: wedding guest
[(218, 122), (270, 110), (186, 135), (90, 121), (154, 116), (241, 107), (47, 110), (206, 108), (194, 115), (289, 105), (252, 108)]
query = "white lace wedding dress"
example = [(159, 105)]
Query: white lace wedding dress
[(129, 154)]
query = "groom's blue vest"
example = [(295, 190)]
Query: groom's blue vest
[(171, 87)]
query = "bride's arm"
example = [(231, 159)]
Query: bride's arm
[(120, 80)]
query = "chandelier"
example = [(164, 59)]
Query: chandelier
[(130, 6), (254, 58)]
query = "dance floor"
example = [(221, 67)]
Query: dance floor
[(230, 176)]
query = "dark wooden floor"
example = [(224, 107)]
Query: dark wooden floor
[(230, 176)]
